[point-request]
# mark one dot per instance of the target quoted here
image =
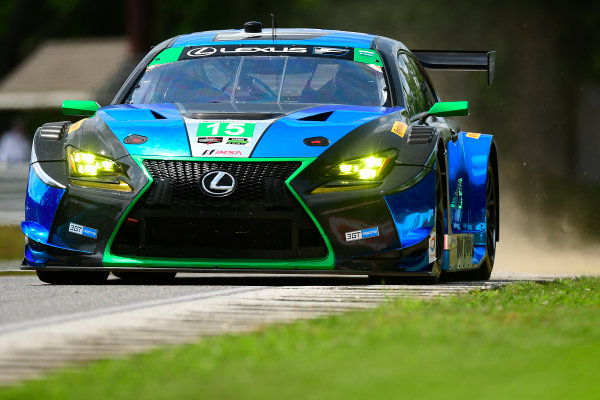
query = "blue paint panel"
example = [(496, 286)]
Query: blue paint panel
[(40, 234), (413, 211), (35, 257), (41, 201), (467, 172), (329, 38), (166, 137), (284, 138), (131, 114)]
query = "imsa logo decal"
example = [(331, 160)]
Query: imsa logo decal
[(362, 234)]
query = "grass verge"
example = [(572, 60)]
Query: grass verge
[(11, 242), (525, 341)]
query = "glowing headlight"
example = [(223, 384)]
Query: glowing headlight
[(89, 164), (360, 173), (93, 170), (363, 168)]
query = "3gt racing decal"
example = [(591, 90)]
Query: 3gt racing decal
[(362, 234), (83, 230), (224, 138)]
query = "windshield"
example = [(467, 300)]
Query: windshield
[(262, 79)]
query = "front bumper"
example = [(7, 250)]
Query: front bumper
[(325, 220)]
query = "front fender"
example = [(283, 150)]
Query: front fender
[(468, 159)]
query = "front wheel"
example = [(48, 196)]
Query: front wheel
[(72, 277)]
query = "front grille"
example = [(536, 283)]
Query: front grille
[(255, 181), (260, 220)]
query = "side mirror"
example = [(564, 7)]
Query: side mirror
[(84, 108), (450, 109)]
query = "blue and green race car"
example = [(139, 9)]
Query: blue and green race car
[(261, 150)]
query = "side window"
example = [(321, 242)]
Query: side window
[(426, 86), (417, 89)]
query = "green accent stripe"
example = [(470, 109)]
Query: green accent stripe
[(326, 263)]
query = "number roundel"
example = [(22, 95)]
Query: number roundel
[(240, 129)]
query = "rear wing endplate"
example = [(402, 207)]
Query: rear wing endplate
[(459, 61)]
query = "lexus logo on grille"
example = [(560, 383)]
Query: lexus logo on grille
[(217, 183)]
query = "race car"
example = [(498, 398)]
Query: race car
[(267, 150)]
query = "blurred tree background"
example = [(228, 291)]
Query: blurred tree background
[(541, 106)]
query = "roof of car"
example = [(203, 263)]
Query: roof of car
[(319, 37)]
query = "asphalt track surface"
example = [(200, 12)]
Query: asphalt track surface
[(46, 326), (26, 301)]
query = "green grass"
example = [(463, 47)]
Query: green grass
[(11, 242), (525, 341)]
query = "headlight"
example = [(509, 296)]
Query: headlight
[(94, 170), (360, 173), (363, 168), (367, 168)]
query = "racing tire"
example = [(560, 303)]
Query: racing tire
[(72, 277), (484, 271), (145, 277)]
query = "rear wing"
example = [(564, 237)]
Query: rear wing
[(459, 61)]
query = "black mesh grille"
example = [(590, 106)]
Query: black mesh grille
[(253, 180), (260, 220)]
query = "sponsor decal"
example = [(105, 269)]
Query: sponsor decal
[(75, 126), (367, 56), (202, 52), (224, 137), (473, 135), (217, 183), (399, 128), (83, 230), (166, 56), (330, 51), (225, 153), (210, 140), (209, 51), (240, 141), (228, 128), (460, 250), (362, 234), (431, 247)]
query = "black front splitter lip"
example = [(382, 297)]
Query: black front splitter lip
[(230, 271)]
